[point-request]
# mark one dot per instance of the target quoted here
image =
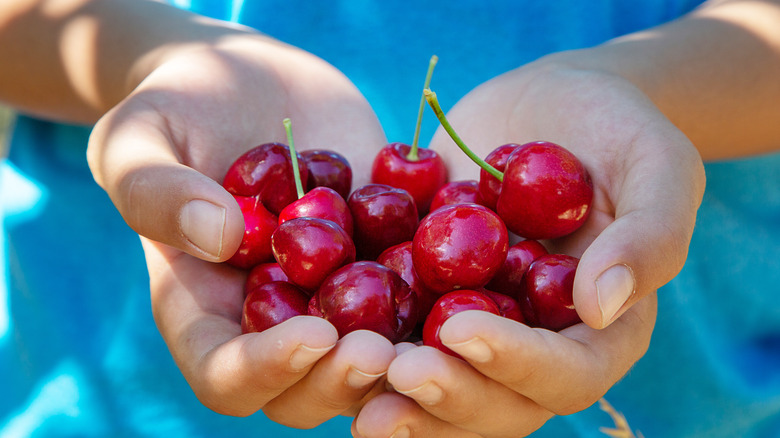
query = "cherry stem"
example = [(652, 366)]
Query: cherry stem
[(430, 96), (412, 156), (293, 157)]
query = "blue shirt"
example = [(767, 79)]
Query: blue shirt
[(80, 354)]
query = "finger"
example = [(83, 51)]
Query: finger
[(453, 391), (380, 385), (564, 372), (132, 157), (339, 380), (392, 414), (197, 308), (646, 244)]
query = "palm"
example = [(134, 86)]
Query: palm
[(179, 132), (640, 164)]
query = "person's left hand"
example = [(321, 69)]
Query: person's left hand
[(648, 183), (516, 377)]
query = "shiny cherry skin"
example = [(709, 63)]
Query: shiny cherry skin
[(272, 303), (399, 259), (459, 246), (546, 193), (266, 171), (421, 178), (457, 192), (366, 295), (547, 290), (508, 307), (262, 274), (383, 216), (309, 249), (450, 304), (323, 203), (489, 186), (328, 169), (509, 278), (259, 225)]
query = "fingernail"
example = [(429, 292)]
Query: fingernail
[(614, 287), (475, 349), (401, 432), (358, 379), (428, 393), (303, 356), (203, 224)]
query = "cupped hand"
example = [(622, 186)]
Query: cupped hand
[(648, 178), (161, 154), (648, 183)]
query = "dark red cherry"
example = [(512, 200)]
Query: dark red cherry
[(328, 169), (547, 289), (399, 259), (383, 216), (457, 192), (266, 171), (272, 303), (264, 273), (508, 307), (519, 257), (367, 296)]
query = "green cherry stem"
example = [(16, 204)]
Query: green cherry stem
[(412, 156), (293, 157), (430, 96)]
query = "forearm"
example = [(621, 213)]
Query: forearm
[(715, 73), (72, 60)]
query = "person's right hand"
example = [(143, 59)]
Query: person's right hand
[(161, 154)]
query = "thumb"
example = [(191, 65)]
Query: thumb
[(645, 243), (158, 197)]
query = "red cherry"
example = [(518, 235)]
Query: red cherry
[(399, 259), (547, 290), (459, 246), (259, 225), (328, 169), (450, 304), (264, 273), (519, 257), (546, 193), (421, 177), (508, 307), (457, 192), (367, 296), (309, 249), (383, 216), (490, 186), (270, 304), (421, 172), (266, 171), (323, 203)]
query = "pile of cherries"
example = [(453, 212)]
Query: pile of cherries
[(402, 254)]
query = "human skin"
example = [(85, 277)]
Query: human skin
[(159, 128), (641, 112), (177, 98)]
